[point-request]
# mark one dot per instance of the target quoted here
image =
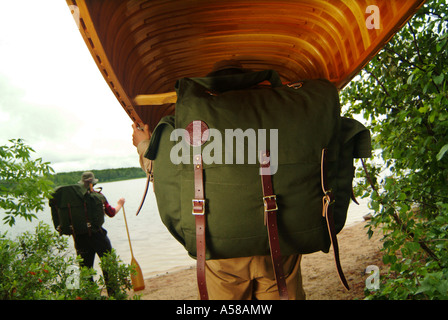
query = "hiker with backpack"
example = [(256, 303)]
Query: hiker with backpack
[(241, 278), (79, 210), (95, 242), (248, 223)]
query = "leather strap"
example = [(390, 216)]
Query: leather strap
[(327, 212), (270, 220), (71, 220), (89, 225), (148, 180), (199, 213), (270, 211)]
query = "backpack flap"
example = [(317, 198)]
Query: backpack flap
[(233, 82), (356, 137), (154, 142), (167, 177), (355, 143)]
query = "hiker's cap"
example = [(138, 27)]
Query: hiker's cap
[(88, 177)]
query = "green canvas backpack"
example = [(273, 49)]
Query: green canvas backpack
[(77, 210), (209, 188)]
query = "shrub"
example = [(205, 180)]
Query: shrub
[(38, 266), (403, 96)]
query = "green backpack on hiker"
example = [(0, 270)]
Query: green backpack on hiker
[(77, 210), (209, 188)]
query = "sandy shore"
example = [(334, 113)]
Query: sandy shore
[(320, 279)]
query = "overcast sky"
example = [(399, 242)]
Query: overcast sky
[(52, 94)]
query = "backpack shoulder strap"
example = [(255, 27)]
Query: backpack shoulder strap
[(270, 220), (327, 212)]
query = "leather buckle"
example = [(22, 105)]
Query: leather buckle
[(327, 201), (198, 207), (269, 202), (329, 197)]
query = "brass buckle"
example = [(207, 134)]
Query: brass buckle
[(327, 201), (265, 199), (202, 202), (329, 197)]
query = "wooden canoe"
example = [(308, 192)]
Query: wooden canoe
[(142, 47)]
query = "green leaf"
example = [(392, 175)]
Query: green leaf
[(412, 246), (440, 45), (423, 109), (432, 116), (442, 152), (438, 79), (402, 196)]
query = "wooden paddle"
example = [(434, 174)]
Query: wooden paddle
[(138, 283)]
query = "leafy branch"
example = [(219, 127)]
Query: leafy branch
[(403, 94), (24, 182)]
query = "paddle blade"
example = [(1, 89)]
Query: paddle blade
[(138, 283)]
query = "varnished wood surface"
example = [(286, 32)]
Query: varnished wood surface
[(143, 47)]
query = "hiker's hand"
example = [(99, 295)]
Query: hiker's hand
[(140, 134), (120, 204)]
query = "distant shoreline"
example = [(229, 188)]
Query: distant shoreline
[(103, 175)]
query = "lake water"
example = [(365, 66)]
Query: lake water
[(154, 248)]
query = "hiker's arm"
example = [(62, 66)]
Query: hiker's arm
[(140, 139), (141, 150), (111, 211), (120, 204)]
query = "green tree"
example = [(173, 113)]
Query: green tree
[(402, 94), (24, 182)]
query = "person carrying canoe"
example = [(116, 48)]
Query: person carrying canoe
[(243, 278)]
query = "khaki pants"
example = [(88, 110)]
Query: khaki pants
[(252, 278)]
